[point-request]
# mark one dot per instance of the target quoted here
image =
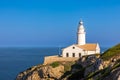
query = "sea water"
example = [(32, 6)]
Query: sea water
[(17, 59)]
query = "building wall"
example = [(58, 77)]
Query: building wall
[(51, 59), (72, 50), (98, 49), (77, 51), (91, 52)]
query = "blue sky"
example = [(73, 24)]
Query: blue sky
[(55, 22)]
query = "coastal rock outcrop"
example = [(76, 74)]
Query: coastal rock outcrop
[(91, 68), (114, 75), (42, 73), (50, 72), (33, 76), (92, 64), (105, 67)]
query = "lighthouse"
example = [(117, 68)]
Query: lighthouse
[(81, 38), (81, 48)]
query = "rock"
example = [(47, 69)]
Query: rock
[(92, 64), (56, 72), (114, 75), (82, 69), (42, 73), (99, 64), (34, 76), (49, 72), (20, 76)]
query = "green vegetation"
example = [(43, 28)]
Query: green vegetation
[(118, 61), (116, 66), (114, 51), (55, 64), (79, 72), (105, 72), (67, 69), (67, 66)]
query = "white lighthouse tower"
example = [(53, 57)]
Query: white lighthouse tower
[(81, 40), (81, 48)]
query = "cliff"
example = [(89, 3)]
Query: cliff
[(111, 53), (53, 71), (106, 67)]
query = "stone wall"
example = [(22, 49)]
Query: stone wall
[(51, 59)]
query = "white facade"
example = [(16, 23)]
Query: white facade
[(81, 48), (81, 34), (79, 51), (72, 51)]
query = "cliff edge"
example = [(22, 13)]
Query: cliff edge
[(105, 67)]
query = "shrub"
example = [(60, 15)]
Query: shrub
[(55, 64), (67, 66), (114, 51)]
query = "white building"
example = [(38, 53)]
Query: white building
[(81, 48)]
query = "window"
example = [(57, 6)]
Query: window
[(73, 47), (79, 54), (73, 54), (67, 55)]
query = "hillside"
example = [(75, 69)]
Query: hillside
[(112, 52), (106, 67)]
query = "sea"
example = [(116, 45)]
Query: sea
[(14, 60)]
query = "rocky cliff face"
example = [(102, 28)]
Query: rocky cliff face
[(91, 64), (42, 73), (114, 75), (86, 68)]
